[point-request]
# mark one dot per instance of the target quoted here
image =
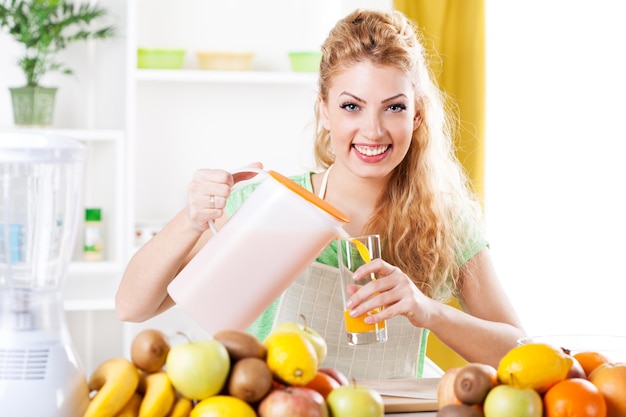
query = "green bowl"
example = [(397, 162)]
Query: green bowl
[(160, 58), (305, 61)]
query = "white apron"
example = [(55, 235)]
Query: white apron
[(316, 294)]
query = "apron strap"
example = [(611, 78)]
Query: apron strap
[(324, 184)]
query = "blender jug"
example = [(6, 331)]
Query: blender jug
[(41, 179), (276, 233)]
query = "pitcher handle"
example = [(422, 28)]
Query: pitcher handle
[(236, 171)]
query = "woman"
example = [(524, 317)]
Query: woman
[(384, 147)]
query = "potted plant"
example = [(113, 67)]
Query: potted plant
[(44, 28)]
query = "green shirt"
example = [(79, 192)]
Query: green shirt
[(263, 325), (475, 239)]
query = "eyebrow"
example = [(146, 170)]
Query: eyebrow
[(382, 101)]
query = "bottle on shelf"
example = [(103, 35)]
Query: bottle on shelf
[(93, 243)]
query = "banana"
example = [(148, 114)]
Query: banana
[(115, 381), (131, 409), (158, 396), (182, 407)]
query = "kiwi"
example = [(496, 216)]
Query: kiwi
[(240, 344), (473, 381), (250, 380), (459, 410), (149, 349)]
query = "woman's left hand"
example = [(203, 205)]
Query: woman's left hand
[(394, 291)]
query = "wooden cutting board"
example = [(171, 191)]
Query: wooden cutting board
[(398, 394)]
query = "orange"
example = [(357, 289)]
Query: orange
[(610, 378), (574, 397), (590, 360), (323, 383)]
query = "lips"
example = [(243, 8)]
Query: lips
[(368, 150)]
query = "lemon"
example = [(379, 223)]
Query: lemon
[(535, 365), (222, 406), (291, 357)]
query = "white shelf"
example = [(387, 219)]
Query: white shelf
[(95, 267), (238, 77), (91, 287), (86, 135), (89, 304), (92, 135)]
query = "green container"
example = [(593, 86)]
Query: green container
[(33, 106), (93, 214), (305, 61), (159, 58)]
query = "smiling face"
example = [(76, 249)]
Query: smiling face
[(371, 115)]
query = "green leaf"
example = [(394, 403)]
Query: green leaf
[(45, 27)]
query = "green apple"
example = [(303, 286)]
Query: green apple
[(508, 401), (354, 400), (198, 369), (318, 342)]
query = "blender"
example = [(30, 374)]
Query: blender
[(41, 181)]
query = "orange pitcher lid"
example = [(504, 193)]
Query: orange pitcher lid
[(309, 196)]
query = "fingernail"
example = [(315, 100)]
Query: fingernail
[(349, 304)]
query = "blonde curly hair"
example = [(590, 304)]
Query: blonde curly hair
[(423, 218)]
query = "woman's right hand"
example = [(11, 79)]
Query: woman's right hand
[(207, 194)]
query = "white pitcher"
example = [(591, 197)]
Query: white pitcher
[(279, 230)]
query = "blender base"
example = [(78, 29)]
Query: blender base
[(41, 379)]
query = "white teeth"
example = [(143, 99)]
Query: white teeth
[(371, 150)]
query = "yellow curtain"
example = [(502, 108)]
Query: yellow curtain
[(455, 29)]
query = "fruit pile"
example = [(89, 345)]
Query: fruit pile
[(536, 380), (232, 374)]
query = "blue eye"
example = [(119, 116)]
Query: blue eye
[(349, 106), (397, 108)]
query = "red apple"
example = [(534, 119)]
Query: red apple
[(293, 402), (576, 371), (337, 375), (354, 400)]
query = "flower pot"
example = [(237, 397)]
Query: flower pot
[(33, 106)]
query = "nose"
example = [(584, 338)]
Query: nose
[(372, 127)]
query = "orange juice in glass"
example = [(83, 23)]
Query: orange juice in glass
[(352, 253)]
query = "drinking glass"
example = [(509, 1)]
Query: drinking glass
[(352, 253)]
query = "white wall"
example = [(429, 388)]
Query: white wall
[(98, 72), (185, 126), (556, 141), (555, 179)]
